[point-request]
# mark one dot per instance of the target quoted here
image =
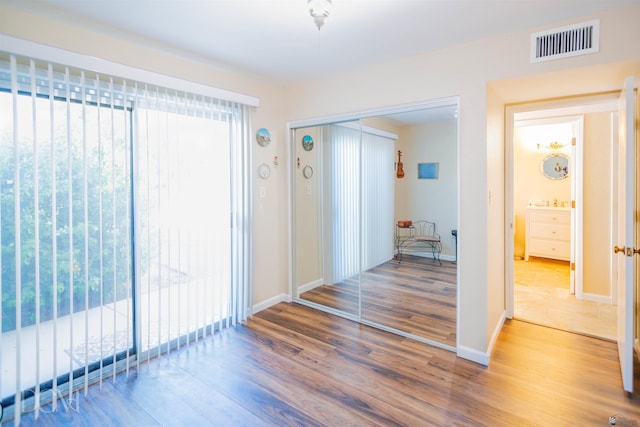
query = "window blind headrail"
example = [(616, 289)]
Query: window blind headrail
[(130, 74), (108, 92)]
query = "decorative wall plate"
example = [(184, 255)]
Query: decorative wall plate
[(263, 137), (307, 171), (264, 171), (307, 143)]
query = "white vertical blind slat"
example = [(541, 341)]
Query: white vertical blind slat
[(100, 229), (85, 206), (138, 198), (169, 225), (114, 214), (36, 228), (17, 230), (69, 177), (159, 207), (54, 240), (128, 149)]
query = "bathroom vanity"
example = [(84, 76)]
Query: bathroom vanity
[(548, 233)]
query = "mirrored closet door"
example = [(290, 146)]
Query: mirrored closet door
[(351, 188)]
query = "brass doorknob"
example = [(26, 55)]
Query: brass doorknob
[(616, 249)]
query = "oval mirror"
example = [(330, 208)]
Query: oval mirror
[(555, 166)]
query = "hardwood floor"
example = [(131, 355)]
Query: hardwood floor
[(292, 365), (417, 296)]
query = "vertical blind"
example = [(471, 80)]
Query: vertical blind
[(362, 188), (378, 201), (345, 193), (124, 214)]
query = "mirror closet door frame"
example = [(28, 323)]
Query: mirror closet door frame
[(316, 211)]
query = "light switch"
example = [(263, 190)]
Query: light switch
[(309, 189), (262, 192)]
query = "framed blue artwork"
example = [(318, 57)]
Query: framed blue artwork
[(427, 170)]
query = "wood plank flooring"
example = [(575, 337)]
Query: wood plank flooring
[(417, 296), (291, 365)]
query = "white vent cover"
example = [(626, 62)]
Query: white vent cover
[(573, 40)]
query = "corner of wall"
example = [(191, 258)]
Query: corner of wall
[(473, 355), (270, 302), (481, 357)]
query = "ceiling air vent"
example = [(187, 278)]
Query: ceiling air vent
[(573, 40)]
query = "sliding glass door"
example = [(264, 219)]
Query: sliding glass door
[(125, 223), (183, 206), (66, 231)]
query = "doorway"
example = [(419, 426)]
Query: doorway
[(551, 254)]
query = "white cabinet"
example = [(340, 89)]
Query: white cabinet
[(548, 233)]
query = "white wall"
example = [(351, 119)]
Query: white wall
[(433, 200)]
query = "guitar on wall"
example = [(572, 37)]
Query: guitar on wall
[(400, 172)]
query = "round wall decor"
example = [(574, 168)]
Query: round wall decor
[(263, 137), (307, 143)]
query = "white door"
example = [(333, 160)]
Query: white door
[(625, 240), (572, 176)]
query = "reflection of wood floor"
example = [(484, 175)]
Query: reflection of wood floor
[(416, 296)]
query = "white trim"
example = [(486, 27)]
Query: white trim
[(578, 225), (479, 356), (509, 211), (429, 255), (347, 117), (473, 355), (537, 112), (311, 285), (613, 204), (369, 130), (270, 302), (600, 299), (90, 63), (496, 333)]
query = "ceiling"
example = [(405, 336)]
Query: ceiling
[(277, 39)]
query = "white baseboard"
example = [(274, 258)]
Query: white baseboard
[(601, 299), (496, 332), (308, 286), (271, 302), (473, 355), (479, 356), (446, 257), (443, 257)]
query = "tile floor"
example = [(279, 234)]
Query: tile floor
[(542, 296)]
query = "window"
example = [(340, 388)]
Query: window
[(124, 224)]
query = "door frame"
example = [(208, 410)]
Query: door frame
[(566, 106)]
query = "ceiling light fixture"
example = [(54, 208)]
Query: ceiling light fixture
[(319, 10)]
